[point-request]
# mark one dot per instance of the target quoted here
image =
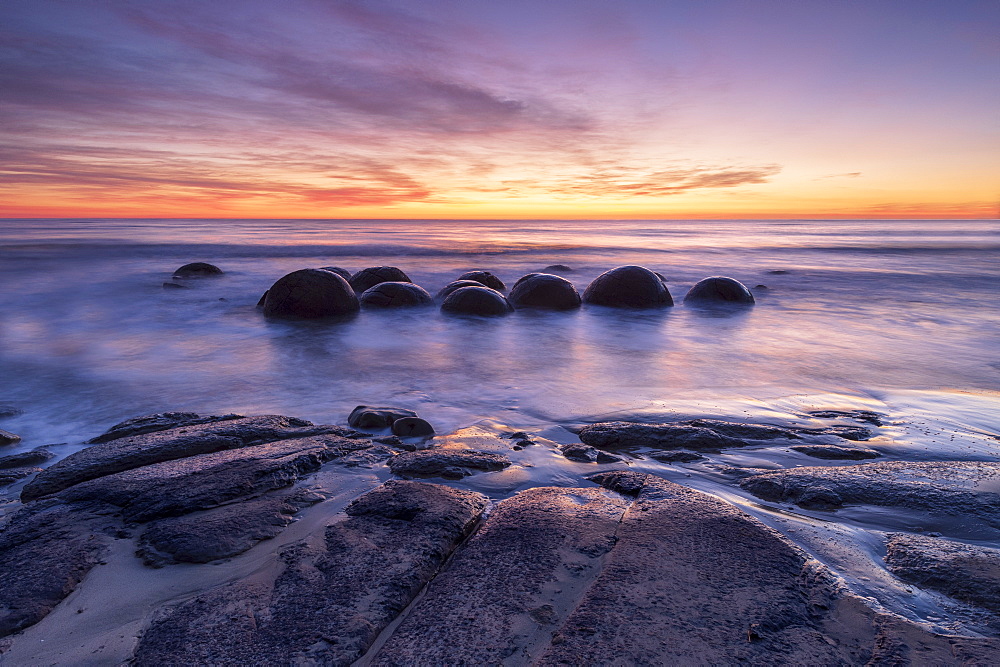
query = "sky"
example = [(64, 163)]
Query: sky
[(505, 109)]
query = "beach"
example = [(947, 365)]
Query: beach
[(889, 327)]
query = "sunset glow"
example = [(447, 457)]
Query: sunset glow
[(447, 109)]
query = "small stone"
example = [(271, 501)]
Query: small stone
[(197, 270), (8, 438), (412, 427), (367, 416), (581, 453), (604, 457)]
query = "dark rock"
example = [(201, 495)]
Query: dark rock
[(10, 475), (760, 287), (513, 583), (868, 416), (525, 277), (343, 273), (162, 421), (719, 289), (476, 301), (845, 432), (394, 441), (454, 285), (201, 482), (624, 482), (221, 532), (604, 457), (367, 416), (485, 278), (628, 287), (557, 268), (175, 286), (544, 290), (412, 427), (615, 435), (581, 453), (136, 451), (46, 550), (963, 571), (9, 411), (395, 295), (778, 272), (334, 596), (262, 299), (945, 488), (835, 452), (310, 293), (676, 456), (8, 438), (367, 278), (39, 455), (197, 270), (446, 463)]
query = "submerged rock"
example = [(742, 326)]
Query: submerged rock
[(367, 278), (680, 456), (367, 416), (310, 293), (868, 416), (476, 301), (454, 285), (544, 290), (446, 463), (695, 434), (343, 273), (39, 455), (628, 287), (485, 278), (395, 295), (197, 270), (557, 268), (333, 596), (175, 286), (963, 571), (8, 438), (14, 473), (9, 411), (835, 452), (587, 454), (941, 487), (719, 289), (409, 427)]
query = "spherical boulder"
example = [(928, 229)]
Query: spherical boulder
[(628, 287), (557, 268), (525, 277), (373, 275), (411, 426), (454, 285), (310, 293), (367, 416), (394, 295), (343, 273), (197, 270), (719, 289), (545, 290), (484, 277), (476, 301)]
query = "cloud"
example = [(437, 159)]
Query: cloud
[(850, 174)]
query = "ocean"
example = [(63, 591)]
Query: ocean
[(897, 317)]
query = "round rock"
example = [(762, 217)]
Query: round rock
[(343, 273), (484, 277), (373, 275), (545, 290), (197, 270), (394, 295), (411, 426), (476, 301), (719, 289), (525, 277), (628, 287), (454, 285), (310, 293)]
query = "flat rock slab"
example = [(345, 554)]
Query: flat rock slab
[(22, 459), (173, 488), (446, 463), (333, 597), (511, 584), (160, 421), (702, 434), (941, 487), (963, 571), (135, 451), (221, 532)]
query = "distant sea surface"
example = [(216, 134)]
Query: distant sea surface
[(899, 315)]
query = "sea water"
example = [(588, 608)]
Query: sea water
[(896, 317)]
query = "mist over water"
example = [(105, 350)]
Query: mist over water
[(88, 335)]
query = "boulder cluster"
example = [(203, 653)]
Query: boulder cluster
[(332, 291)]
